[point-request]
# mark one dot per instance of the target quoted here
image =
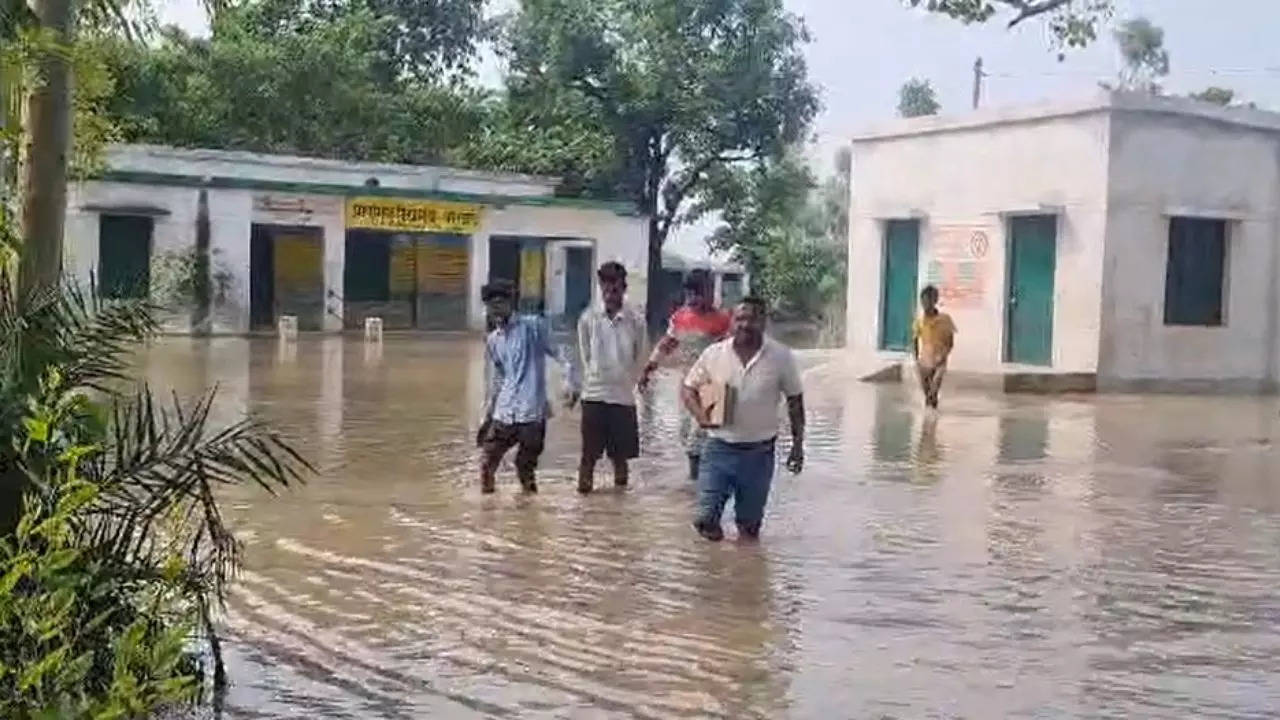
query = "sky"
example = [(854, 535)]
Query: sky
[(863, 50)]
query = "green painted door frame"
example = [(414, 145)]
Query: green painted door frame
[(1029, 315), (900, 272)]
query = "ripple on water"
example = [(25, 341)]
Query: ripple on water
[(1110, 557)]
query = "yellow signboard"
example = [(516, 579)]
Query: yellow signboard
[(378, 213)]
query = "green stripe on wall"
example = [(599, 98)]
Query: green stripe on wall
[(156, 178)]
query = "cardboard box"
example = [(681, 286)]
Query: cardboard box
[(717, 399)]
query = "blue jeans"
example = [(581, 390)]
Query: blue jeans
[(743, 470)]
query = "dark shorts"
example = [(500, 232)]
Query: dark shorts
[(609, 428), (501, 437)]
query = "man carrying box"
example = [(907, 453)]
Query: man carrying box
[(742, 380)]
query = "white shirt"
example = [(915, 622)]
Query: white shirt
[(758, 386), (614, 350)]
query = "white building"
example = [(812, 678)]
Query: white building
[(1124, 242), (730, 281), (334, 242)]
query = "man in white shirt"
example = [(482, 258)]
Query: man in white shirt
[(613, 342), (738, 458)]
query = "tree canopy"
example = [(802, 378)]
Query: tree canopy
[(1073, 23), (317, 87), (916, 98), (1143, 54), (680, 88)]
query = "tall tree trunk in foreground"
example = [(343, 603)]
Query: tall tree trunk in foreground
[(43, 192), (48, 130)]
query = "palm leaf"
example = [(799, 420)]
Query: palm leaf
[(164, 463)]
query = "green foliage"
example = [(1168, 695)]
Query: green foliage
[(92, 129), (317, 87), (792, 239), (1215, 95), (113, 550), (682, 89), (79, 638), (175, 276), (1072, 23), (1142, 51), (916, 98), (560, 138)]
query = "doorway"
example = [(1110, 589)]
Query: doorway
[(1032, 262), (521, 261), (577, 281), (286, 275), (898, 284)]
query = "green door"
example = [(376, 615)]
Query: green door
[(898, 286), (1032, 259)]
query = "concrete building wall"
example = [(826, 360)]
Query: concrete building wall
[(1165, 165), (172, 209), (615, 237), (232, 212), (966, 180)]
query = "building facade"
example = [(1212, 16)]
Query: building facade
[(332, 243), (1124, 242)]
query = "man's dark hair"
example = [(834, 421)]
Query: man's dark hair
[(756, 303), (929, 290), (498, 289), (612, 271)]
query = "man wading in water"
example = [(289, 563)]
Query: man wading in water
[(612, 340), (516, 407), (738, 458), (692, 329), (933, 336)]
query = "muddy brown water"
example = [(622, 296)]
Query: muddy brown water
[(1009, 557)]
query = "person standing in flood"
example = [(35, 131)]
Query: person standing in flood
[(738, 458), (933, 337), (516, 405), (692, 329), (612, 342)]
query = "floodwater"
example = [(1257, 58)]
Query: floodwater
[(1009, 557)]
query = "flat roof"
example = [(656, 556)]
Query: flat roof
[(1103, 102), (126, 156), (163, 165)]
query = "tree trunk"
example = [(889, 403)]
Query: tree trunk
[(44, 193), (202, 312), (655, 292), (48, 128)]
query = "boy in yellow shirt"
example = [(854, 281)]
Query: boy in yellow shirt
[(933, 336)]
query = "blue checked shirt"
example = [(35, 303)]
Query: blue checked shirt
[(516, 370)]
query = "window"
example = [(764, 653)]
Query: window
[(1194, 275), (124, 257)]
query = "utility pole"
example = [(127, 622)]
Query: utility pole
[(978, 74)]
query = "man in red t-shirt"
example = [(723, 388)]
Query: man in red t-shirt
[(693, 328)]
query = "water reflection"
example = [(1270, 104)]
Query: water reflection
[(1004, 558)]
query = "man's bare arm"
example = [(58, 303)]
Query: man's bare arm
[(795, 413)]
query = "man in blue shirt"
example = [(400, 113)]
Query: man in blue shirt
[(516, 407)]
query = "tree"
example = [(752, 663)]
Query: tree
[(244, 89), (1216, 95), (792, 239), (1142, 51), (1073, 23), (428, 40), (916, 98), (48, 147), (683, 88)]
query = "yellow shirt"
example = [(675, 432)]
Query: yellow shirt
[(935, 335)]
